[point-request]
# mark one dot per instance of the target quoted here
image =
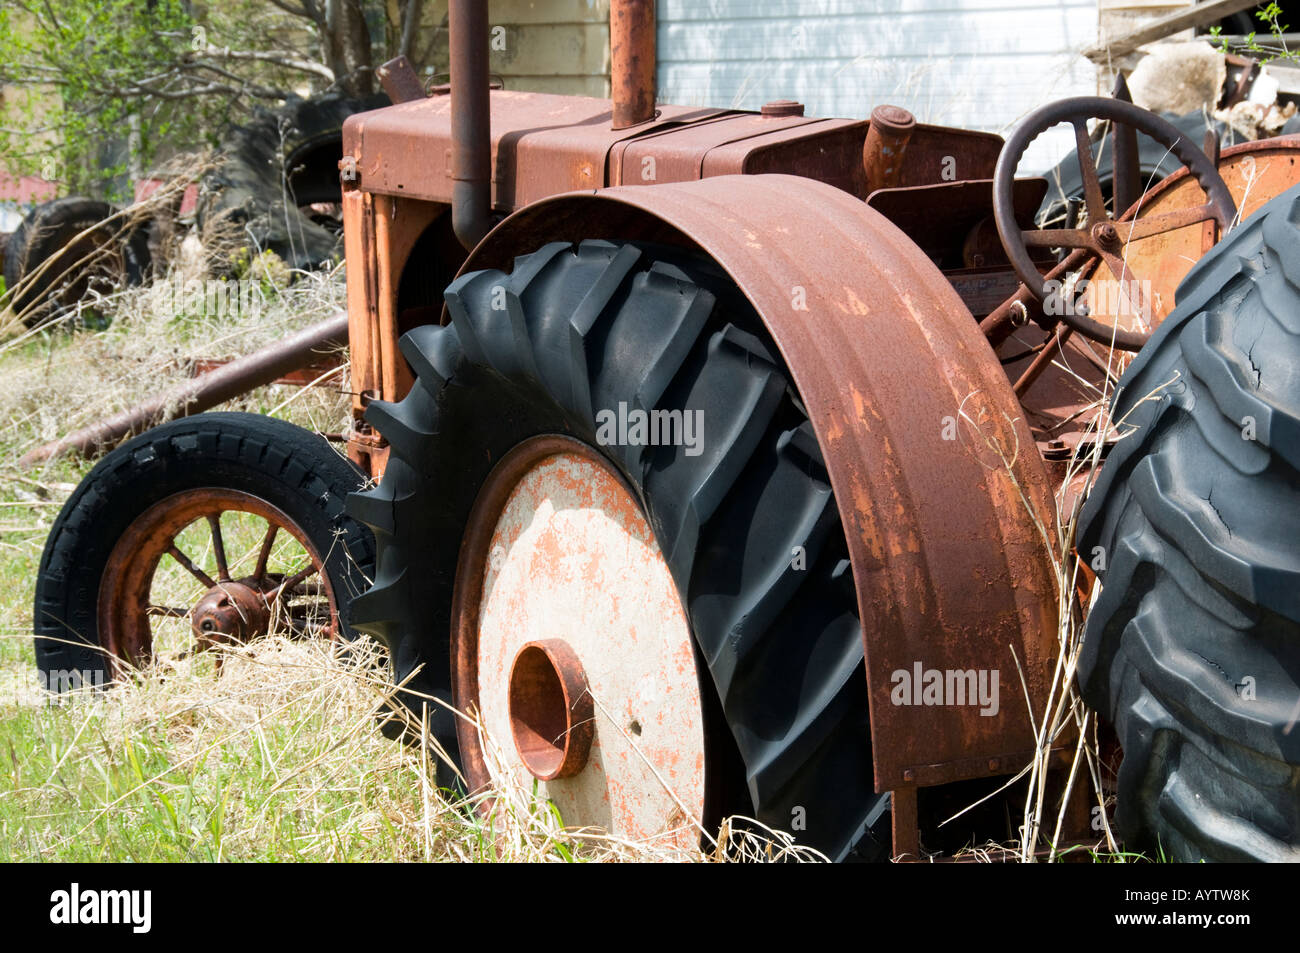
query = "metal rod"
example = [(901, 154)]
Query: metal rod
[(1000, 324), (203, 392), (471, 138), (632, 61), (1127, 178), (1043, 360)]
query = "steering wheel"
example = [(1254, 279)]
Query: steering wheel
[(1101, 237)]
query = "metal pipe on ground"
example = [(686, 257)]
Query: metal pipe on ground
[(471, 141), (203, 392), (632, 61)]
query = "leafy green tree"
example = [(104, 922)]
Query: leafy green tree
[(96, 91), (1272, 46)]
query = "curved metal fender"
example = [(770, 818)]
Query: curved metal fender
[(944, 498)]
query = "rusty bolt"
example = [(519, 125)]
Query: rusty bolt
[(1106, 233), (1056, 450)]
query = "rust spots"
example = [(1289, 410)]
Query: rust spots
[(577, 571)]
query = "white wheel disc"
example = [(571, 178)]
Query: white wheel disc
[(571, 560)]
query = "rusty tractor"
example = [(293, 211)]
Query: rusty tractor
[(726, 463)]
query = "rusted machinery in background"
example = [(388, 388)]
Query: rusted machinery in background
[(712, 444)]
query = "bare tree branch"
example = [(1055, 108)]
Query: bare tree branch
[(408, 27), (275, 57)]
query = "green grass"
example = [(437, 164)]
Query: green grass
[(170, 773), (178, 767), (277, 755)]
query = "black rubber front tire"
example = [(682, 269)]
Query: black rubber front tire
[(540, 351), (48, 228), (291, 468), (1192, 649)]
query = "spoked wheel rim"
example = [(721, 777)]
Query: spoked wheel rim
[(571, 646), (245, 590)]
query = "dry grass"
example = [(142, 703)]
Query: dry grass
[(277, 757), (273, 755), (1066, 721)]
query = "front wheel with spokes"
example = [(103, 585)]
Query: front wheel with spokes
[(215, 529)]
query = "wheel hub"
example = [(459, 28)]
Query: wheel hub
[(551, 712), (1105, 233), (571, 645), (231, 612)]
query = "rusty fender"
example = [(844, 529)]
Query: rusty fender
[(945, 502)]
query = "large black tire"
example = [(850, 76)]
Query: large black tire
[(585, 328), (47, 229), (1192, 649), (289, 153), (291, 468)]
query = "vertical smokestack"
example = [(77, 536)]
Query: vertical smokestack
[(632, 61), (471, 156)]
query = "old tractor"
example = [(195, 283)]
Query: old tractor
[(723, 464)]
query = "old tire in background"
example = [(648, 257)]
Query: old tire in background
[(51, 227), (272, 171), (1192, 648), (269, 460), (572, 331)]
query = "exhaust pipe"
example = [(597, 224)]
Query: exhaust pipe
[(471, 142), (632, 61)]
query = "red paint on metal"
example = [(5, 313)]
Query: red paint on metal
[(542, 145)]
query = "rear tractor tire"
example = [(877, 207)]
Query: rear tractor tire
[(1192, 648), (659, 633)]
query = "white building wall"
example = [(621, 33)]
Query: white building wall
[(979, 64)]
